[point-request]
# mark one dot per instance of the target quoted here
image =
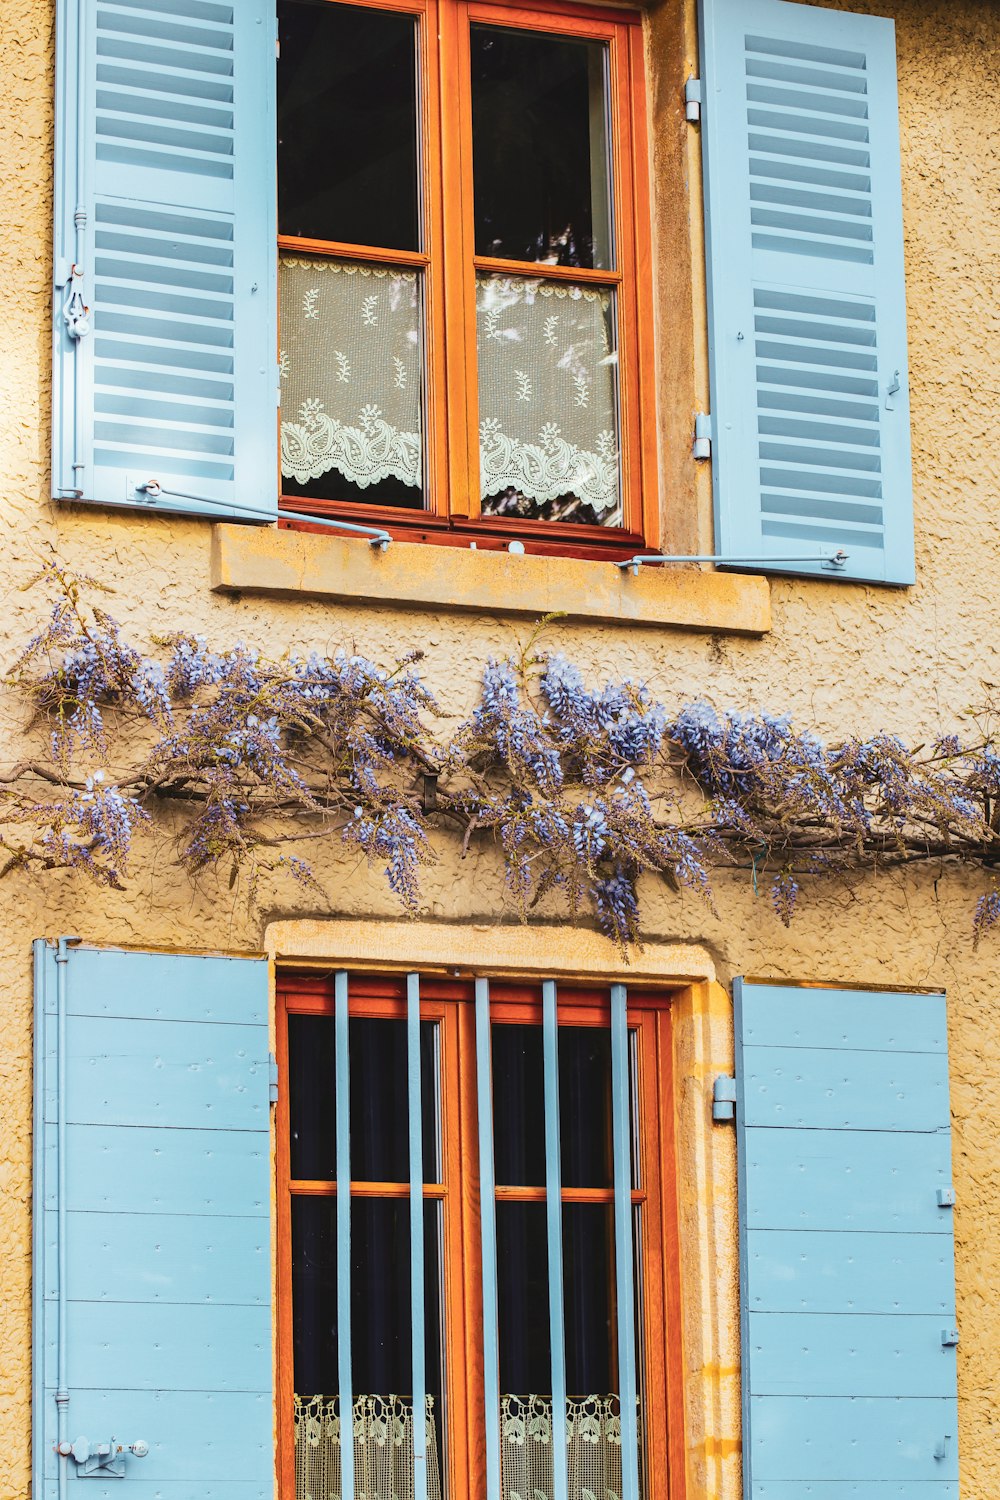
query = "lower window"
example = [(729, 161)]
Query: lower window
[(529, 1311)]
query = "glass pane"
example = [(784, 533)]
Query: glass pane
[(523, 1299), (347, 125), (379, 1100), (540, 148), (351, 381), (380, 1346), (548, 401), (379, 1111), (518, 1106), (589, 1299), (311, 1098), (585, 1106), (314, 1295)]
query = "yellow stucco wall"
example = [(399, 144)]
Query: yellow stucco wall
[(846, 659)]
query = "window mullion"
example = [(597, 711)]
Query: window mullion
[(553, 1215), (487, 1196), (625, 1294), (343, 1112)]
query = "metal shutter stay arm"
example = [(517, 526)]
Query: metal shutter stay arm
[(379, 537), (835, 561)]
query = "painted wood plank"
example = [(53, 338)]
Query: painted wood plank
[(797, 1438), (169, 1258), (786, 1016), (191, 987), (815, 1271), (821, 1489), (172, 1073), (231, 1437), (839, 1179), (169, 1347), (821, 1089), (151, 1170), (821, 1354)]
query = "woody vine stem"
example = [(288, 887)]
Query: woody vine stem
[(247, 760)]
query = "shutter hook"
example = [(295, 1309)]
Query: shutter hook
[(891, 390), (76, 313)]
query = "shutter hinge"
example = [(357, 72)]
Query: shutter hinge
[(949, 1337), (946, 1197), (724, 1098), (703, 434), (692, 99), (272, 1078)]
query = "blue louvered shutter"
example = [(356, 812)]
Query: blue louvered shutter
[(165, 258), (162, 1090), (807, 317), (847, 1276)]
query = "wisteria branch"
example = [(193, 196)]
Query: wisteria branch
[(236, 754)]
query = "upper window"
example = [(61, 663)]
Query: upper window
[(462, 217)]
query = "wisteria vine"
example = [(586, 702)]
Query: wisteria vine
[(243, 758)]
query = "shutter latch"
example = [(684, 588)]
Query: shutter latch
[(724, 1099), (101, 1460), (692, 99), (76, 313)]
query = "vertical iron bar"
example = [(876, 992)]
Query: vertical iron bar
[(488, 1220), (621, 1141), (553, 1215), (343, 1110), (416, 1237), (62, 1257)]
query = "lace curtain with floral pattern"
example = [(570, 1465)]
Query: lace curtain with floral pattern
[(593, 1448), (351, 371), (383, 1449), (548, 446)]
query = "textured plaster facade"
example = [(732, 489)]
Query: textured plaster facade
[(845, 659)]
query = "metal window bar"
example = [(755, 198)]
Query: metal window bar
[(419, 1424), (553, 1218), (343, 1114), (488, 1219), (621, 1150)]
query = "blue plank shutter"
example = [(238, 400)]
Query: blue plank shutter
[(165, 332), (847, 1282), (151, 1088), (807, 317)]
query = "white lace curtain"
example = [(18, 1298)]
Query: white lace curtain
[(593, 1447), (547, 396), (383, 1449), (351, 370)]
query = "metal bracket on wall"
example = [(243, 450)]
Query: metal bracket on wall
[(724, 1098)]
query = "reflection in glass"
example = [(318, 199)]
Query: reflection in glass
[(548, 401), (351, 381), (347, 125), (540, 148)]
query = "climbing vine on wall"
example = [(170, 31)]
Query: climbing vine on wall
[(245, 760)]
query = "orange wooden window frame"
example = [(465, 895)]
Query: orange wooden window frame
[(449, 1003), (449, 264)]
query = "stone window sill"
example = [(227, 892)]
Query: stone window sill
[(251, 560)]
